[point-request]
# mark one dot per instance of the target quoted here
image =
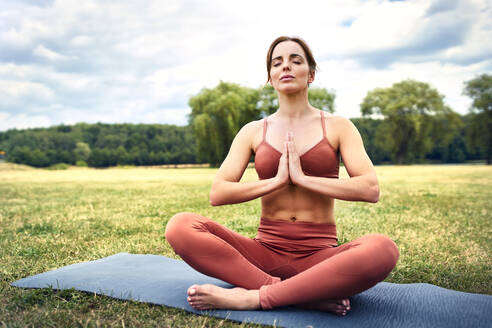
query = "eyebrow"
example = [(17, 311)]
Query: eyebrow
[(290, 56)]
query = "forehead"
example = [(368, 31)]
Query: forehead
[(287, 48)]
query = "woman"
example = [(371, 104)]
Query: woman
[(294, 260)]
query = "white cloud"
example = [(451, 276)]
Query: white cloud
[(129, 61), (23, 121), (13, 92), (13, 37), (81, 40), (46, 53), (384, 25)]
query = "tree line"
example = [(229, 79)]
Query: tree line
[(100, 145), (405, 123)]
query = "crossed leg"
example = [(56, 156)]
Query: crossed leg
[(335, 273), (324, 282)]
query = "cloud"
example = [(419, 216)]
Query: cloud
[(441, 6), (81, 41), (417, 32), (67, 61), (14, 38), (23, 121), (15, 94), (48, 54)]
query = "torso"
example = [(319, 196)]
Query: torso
[(294, 203)]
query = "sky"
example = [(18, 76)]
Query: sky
[(129, 61)]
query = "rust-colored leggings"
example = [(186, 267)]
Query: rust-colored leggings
[(289, 262)]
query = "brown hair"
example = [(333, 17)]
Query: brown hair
[(310, 59)]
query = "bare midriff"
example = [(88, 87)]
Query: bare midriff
[(298, 204)]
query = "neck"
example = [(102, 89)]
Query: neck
[(294, 105)]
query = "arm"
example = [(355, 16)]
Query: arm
[(363, 182), (226, 188)]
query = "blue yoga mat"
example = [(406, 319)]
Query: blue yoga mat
[(161, 280)]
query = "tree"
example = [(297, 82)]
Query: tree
[(414, 114), (479, 135), (268, 100), (82, 151), (20, 155), (217, 115), (39, 158), (447, 138), (122, 157), (322, 99), (112, 143), (367, 128)]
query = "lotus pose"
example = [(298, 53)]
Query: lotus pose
[(295, 259)]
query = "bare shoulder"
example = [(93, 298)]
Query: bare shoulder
[(337, 121), (252, 127), (252, 133), (341, 125), (338, 128), (239, 153)]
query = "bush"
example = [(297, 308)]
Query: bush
[(59, 166), (81, 163)]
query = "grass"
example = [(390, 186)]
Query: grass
[(440, 217)]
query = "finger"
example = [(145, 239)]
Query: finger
[(291, 148)]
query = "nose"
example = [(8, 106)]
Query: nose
[(286, 66)]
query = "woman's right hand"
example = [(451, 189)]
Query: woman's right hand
[(283, 167)]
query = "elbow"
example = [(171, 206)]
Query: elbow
[(215, 203), (373, 193), (215, 199), (218, 196)]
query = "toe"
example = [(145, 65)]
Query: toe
[(193, 290), (341, 308), (202, 306)]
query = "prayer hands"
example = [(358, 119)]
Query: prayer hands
[(283, 166), (295, 169), (289, 166)]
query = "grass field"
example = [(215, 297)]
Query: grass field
[(440, 217)]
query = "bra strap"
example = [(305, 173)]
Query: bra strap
[(264, 128), (323, 123)]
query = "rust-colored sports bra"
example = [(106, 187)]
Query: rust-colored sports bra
[(320, 161)]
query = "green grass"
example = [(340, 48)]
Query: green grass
[(440, 217)]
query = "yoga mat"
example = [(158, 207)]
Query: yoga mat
[(160, 280)]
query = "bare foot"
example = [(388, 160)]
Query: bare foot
[(206, 297), (340, 307)]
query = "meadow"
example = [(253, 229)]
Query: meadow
[(440, 217)]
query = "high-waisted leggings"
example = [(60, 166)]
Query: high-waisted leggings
[(291, 263)]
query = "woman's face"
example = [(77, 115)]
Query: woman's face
[(289, 72)]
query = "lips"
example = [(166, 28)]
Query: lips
[(286, 77)]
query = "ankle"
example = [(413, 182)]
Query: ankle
[(253, 298)]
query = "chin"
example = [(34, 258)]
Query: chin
[(290, 89)]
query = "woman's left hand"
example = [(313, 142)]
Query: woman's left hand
[(295, 169)]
